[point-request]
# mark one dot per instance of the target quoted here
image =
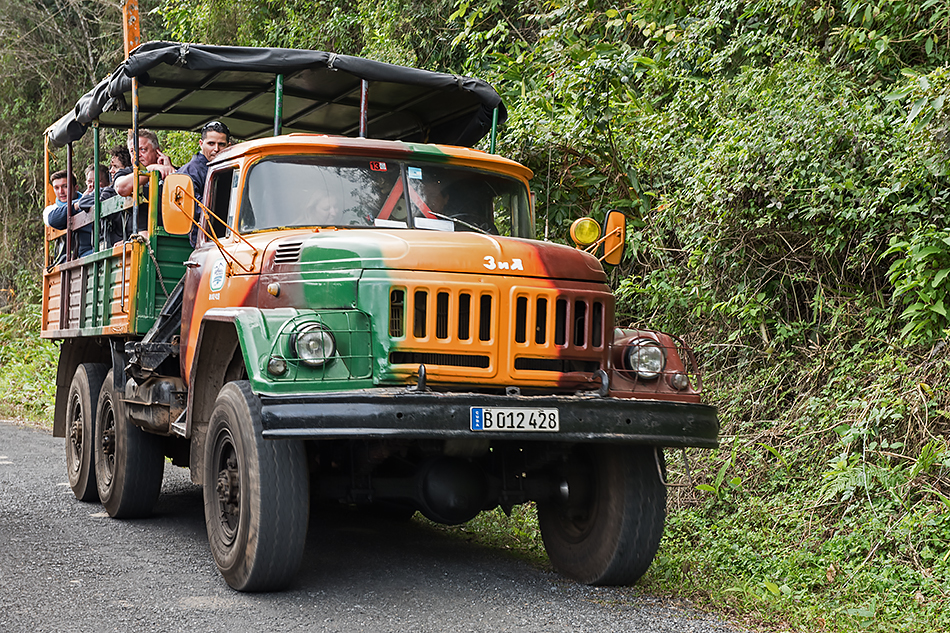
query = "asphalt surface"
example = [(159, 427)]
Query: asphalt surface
[(66, 566)]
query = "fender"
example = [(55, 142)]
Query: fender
[(72, 352), (236, 343)]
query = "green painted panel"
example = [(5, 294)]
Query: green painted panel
[(267, 333)]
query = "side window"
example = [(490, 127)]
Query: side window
[(221, 201)]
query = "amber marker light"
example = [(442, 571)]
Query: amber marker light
[(585, 231)]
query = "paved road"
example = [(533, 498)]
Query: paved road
[(65, 566)]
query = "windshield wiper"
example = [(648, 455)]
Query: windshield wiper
[(462, 222)]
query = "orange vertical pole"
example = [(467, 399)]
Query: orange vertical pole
[(131, 32), (50, 197)]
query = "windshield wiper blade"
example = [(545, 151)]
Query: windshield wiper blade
[(462, 222)]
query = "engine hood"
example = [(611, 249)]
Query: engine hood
[(429, 251)]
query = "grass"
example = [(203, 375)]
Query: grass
[(27, 368), (517, 532)]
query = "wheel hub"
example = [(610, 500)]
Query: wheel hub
[(228, 487), (75, 434), (107, 440)]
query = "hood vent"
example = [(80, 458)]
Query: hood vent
[(288, 252)]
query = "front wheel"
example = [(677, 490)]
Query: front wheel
[(256, 495), (130, 463), (607, 528)]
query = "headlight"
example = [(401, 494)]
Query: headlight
[(645, 357), (313, 344)]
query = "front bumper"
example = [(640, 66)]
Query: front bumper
[(390, 413)]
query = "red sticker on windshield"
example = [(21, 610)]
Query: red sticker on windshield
[(377, 166)]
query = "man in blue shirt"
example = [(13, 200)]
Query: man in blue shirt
[(55, 214), (215, 136)]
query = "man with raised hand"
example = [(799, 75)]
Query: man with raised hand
[(150, 157)]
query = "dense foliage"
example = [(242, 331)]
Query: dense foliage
[(784, 168)]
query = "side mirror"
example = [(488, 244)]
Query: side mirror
[(615, 237), (178, 204)]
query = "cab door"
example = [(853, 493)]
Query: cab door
[(211, 279)]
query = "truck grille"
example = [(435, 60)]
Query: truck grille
[(433, 317), (543, 329), (447, 360)]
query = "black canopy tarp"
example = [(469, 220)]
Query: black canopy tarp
[(184, 86)]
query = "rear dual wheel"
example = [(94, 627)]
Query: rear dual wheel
[(130, 462), (80, 429), (608, 529)]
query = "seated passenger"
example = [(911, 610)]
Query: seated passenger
[(104, 178), (150, 158), (215, 136), (119, 158), (120, 164), (88, 199), (55, 214)]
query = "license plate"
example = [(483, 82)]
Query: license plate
[(520, 419)]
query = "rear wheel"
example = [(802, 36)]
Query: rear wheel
[(608, 529), (80, 427), (130, 463), (256, 495)]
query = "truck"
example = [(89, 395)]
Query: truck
[(367, 318)]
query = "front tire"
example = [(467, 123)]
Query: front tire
[(256, 495), (608, 530), (80, 429), (130, 463)]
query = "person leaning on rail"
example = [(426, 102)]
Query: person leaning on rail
[(150, 158), (215, 136), (119, 158), (55, 214)]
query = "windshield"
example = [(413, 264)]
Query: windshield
[(305, 191)]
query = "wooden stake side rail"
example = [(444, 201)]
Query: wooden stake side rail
[(100, 297)]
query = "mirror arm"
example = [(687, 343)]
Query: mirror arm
[(590, 248), (180, 193)]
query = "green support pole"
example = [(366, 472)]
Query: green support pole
[(96, 215), (494, 131), (278, 104)]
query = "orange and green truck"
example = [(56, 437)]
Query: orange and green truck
[(367, 318)]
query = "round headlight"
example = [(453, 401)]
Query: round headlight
[(314, 344), (645, 357)]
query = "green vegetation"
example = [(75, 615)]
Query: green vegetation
[(27, 367), (784, 164)]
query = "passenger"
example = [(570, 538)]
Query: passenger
[(55, 214), (215, 136), (120, 164), (104, 178), (119, 158), (88, 198), (150, 157)]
